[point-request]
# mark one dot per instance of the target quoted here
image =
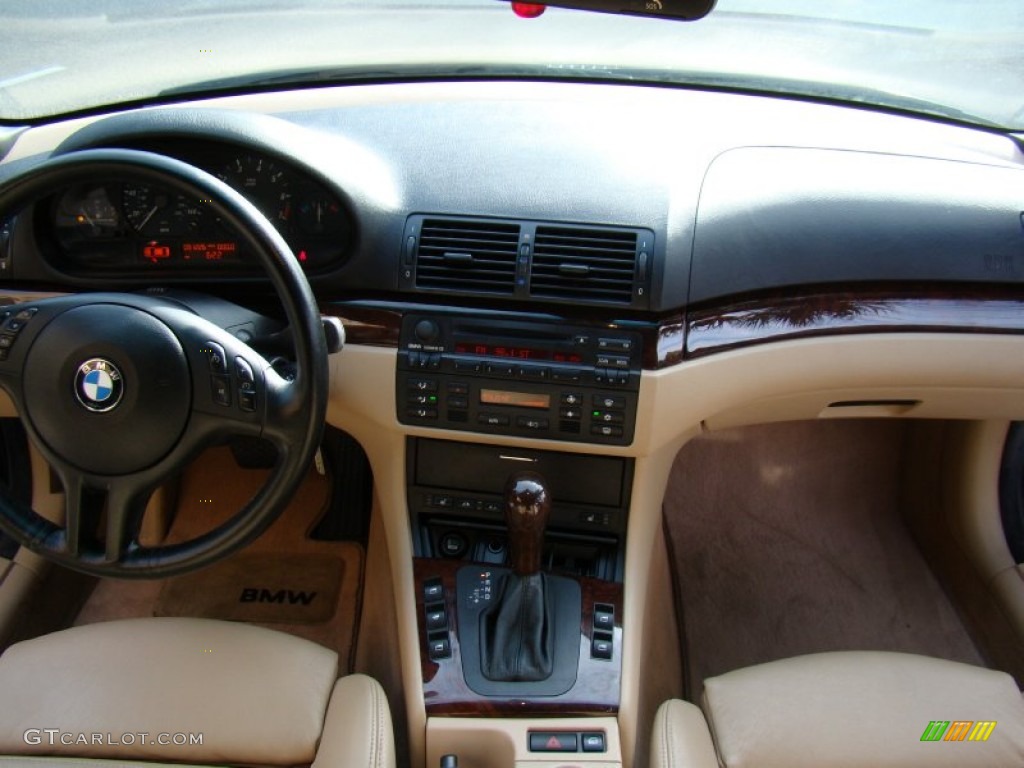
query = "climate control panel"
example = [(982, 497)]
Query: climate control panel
[(519, 378)]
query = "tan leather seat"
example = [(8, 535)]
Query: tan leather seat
[(150, 689), (846, 710)]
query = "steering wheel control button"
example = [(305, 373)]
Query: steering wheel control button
[(99, 385), (246, 385), (220, 388), (215, 355)]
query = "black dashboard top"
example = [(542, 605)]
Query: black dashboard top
[(650, 199)]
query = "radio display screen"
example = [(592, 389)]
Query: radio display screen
[(518, 399), (516, 352)]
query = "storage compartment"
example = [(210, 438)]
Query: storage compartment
[(456, 502)]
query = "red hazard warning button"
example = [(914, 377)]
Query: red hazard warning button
[(546, 741)]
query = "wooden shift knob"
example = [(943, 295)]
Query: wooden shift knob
[(527, 508)]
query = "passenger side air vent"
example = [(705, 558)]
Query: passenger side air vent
[(584, 264), (470, 255)]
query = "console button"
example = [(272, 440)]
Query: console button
[(422, 413), (604, 619), (572, 398), (458, 388), (458, 402), (601, 648), (493, 420), (529, 372), (592, 742), (423, 385), (610, 401), (433, 590), (439, 648), (566, 374), (464, 366), (615, 345), (547, 741), (605, 430), (531, 422), (453, 545), (436, 618), (571, 413), (500, 369), (419, 398), (608, 417)]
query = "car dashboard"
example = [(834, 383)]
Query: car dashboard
[(579, 275)]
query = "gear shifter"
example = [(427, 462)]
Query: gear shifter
[(527, 508), (517, 635)]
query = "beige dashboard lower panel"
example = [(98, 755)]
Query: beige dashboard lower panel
[(502, 742), (953, 375)]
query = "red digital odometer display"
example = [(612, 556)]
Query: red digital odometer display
[(516, 352), (225, 251)]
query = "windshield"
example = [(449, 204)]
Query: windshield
[(963, 60)]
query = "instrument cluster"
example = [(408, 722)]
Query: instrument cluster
[(127, 228)]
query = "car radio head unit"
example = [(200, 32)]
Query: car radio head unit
[(529, 379)]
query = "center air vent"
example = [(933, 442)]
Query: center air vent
[(584, 264), (528, 261), (477, 256)]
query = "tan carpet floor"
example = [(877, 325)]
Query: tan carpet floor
[(788, 539), (284, 562)]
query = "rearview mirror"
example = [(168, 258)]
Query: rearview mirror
[(682, 10)]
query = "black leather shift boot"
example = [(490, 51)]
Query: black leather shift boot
[(516, 632)]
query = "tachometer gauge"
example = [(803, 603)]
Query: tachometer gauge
[(264, 184), (154, 212), (87, 213)]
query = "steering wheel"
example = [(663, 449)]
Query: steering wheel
[(119, 392)]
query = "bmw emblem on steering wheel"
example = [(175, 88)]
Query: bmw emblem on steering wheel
[(99, 385)]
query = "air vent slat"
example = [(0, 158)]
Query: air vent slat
[(467, 255), (582, 264)]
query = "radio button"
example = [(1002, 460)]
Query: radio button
[(528, 372), (423, 385), (612, 361), (493, 420), (572, 398), (566, 374), (458, 402), (467, 366), (530, 422), (501, 369), (603, 430), (458, 388), (615, 345), (571, 413), (609, 401)]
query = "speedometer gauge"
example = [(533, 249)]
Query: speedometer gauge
[(267, 186), (154, 212)]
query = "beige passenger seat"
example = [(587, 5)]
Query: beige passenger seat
[(847, 710)]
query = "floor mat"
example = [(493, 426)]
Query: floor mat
[(787, 539), (284, 580), (296, 589)]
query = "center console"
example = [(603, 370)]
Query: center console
[(519, 552)]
